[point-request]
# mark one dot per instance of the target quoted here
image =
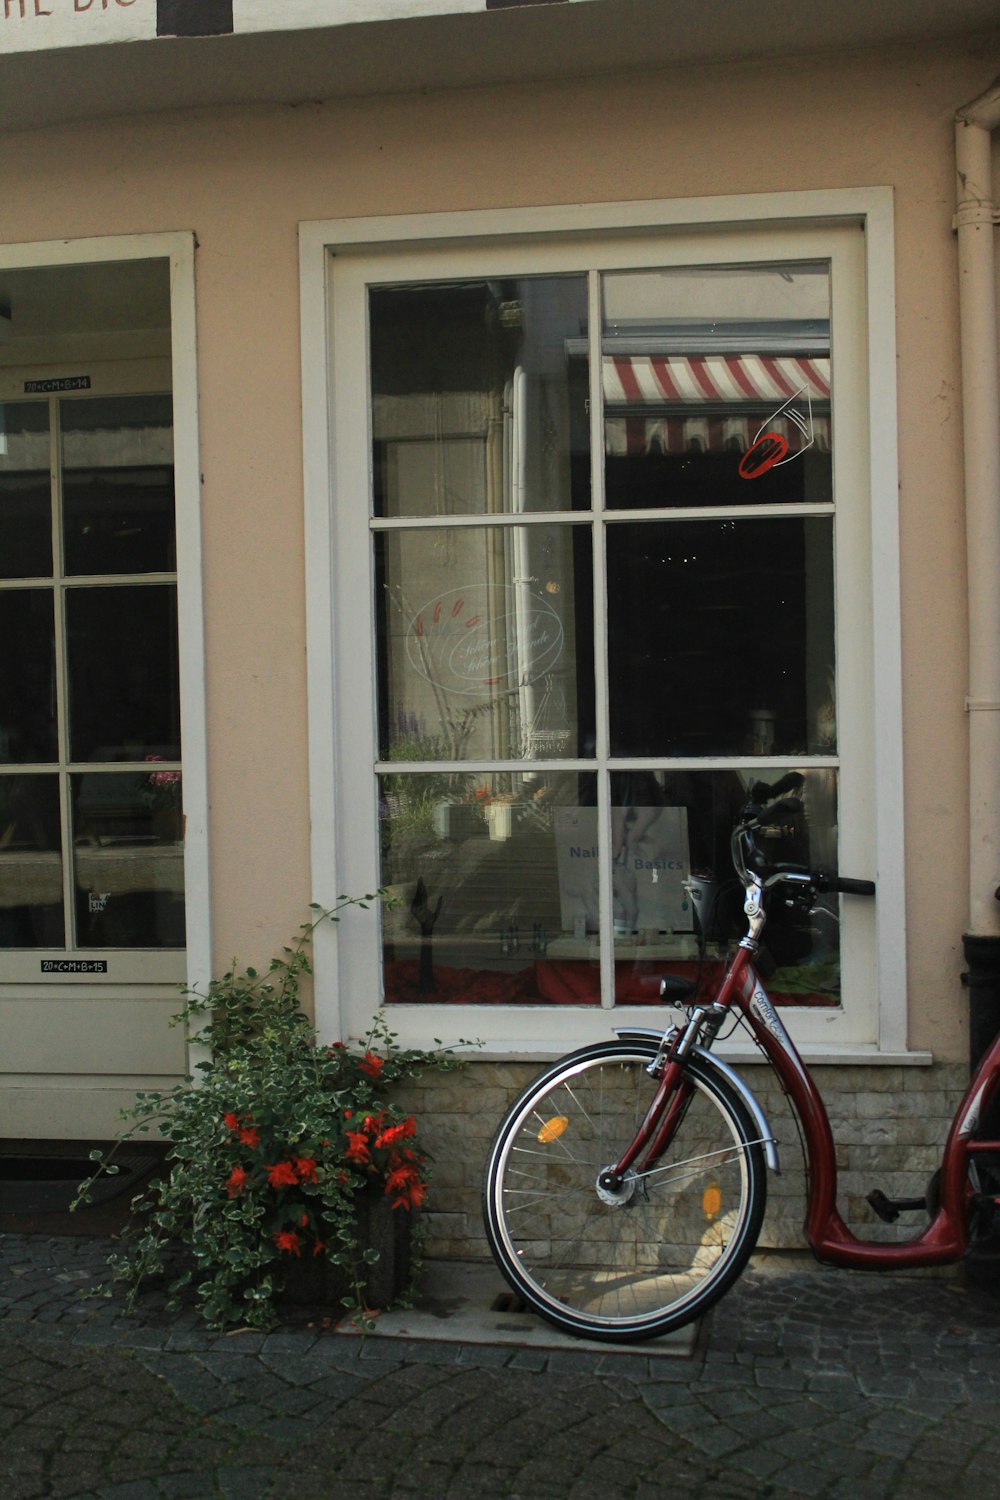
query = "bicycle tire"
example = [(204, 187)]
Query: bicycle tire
[(656, 1260)]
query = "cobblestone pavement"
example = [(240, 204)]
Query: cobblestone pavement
[(807, 1383)]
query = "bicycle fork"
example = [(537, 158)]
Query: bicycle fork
[(671, 1099)]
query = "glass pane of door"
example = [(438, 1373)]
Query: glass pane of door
[(122, 667), (25, 501), (128, 859), (118, 488), (27, 676), (31, 872)]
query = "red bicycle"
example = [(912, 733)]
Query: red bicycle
[(625, 1189)]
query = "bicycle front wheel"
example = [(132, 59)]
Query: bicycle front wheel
[(656, 1254)]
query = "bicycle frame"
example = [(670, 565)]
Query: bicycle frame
[(944, 1240)]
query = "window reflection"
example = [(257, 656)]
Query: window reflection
[(491, 896), (128, 858), (684, 598), (25, 507), (480, 654), (118, 493), (27, 676), (678, 906), (718, 623), (477, 407), (494, 885), (717, 386), (123, 685)]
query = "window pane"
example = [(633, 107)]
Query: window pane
[(31, 892), (717, 386), (118, 489), (25, 505), (485, 643), (678, 907), (479, 397), (27, 676), (122, 655), (721, 637), (495, 881), (128, 859)]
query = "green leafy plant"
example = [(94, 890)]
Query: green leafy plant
[(270, 1146)]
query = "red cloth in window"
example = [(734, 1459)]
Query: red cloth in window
[(558, 982)]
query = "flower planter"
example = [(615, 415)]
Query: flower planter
[(315, 1280)]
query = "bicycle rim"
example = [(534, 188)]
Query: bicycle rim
[(670, 1245)]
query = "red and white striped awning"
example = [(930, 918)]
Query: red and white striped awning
[(660, 396), (631, 379)]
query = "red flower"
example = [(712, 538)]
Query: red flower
[(416, 1196), (398, 1132), (282, 1174), (288, 1240), (305, 1166), (318, 1247), (236, 1181), (230, 1122), (400, 1180), (357, 1146), (405, 1188), (249, 1137), (372, 1065)]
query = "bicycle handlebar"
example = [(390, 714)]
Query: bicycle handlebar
[(755, 816), (843, 884)]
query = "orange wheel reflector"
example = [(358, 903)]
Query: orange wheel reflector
[(711, 1201), (553, 1129)]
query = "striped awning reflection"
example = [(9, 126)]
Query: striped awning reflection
[(634, 379), (651, 402)]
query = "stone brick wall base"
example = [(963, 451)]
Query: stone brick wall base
[(889, 1124)]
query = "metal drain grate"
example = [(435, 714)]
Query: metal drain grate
[(508, 1302)]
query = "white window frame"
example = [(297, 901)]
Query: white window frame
[(193, 963), (850, 228)]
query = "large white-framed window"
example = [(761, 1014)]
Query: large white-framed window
[(594, 500), (103, 865)]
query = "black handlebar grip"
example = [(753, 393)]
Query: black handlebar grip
[(844, 885)]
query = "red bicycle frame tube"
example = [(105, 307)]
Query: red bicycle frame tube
[(944, 1240), (946, 1237)]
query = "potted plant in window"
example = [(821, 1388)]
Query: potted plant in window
[(289, 1167)]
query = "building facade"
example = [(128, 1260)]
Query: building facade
[(461, 450)]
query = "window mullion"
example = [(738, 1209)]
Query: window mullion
[(61, 671), (605, 894)]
